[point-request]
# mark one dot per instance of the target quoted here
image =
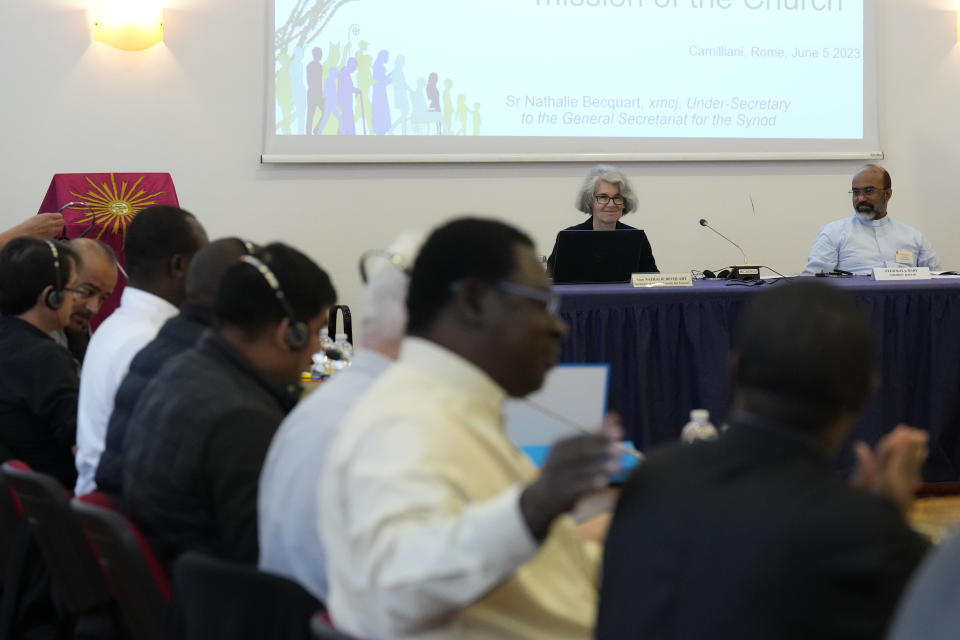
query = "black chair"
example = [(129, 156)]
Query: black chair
[(74, 573), (215, 599), (74, 570), (11, 519), (10, 516), (136, 577), (14, 540)]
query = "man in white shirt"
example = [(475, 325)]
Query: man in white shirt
[(433, 524), (287, 501), (159, 245), (869, 238)]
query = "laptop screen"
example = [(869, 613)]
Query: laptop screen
[(601, 256)]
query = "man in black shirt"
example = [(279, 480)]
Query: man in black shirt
[(38, 378), (180, 333), (753, 536), (199, 433)]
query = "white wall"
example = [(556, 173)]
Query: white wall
[(194, 106)]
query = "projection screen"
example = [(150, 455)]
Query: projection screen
[(569, 80)]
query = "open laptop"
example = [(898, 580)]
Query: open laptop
[(599, 256)]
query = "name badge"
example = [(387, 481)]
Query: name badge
[(904, 257), (901, 273), (679, 279)]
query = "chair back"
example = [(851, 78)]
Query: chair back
[(323, 630), (215, 599), (14, 541), (11, 517), (73, 567), (136, 577)]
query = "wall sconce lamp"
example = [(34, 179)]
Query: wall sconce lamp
[(128, 25)]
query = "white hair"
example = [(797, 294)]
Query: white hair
[(606, 173), (384, 315)]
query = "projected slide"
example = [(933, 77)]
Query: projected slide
[(624, 69)]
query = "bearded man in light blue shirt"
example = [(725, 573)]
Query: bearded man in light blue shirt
[(869, 238)]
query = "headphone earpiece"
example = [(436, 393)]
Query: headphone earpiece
[(54, 299), (297, 335)]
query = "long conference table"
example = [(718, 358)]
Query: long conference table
[(668, 351)]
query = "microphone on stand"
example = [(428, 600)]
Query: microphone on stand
[(741, 271), (703, 223)]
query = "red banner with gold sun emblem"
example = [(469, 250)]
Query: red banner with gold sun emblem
[(103, 206)]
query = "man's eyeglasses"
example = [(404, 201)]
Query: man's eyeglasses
[(603, 199), (867, 191), (548, 299), (83, 292)]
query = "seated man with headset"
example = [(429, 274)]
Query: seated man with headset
[(38, 378), (197, 437)]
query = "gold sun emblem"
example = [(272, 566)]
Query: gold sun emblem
[(112, 208)]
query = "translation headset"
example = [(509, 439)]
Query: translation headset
[(723, 274), (54, 299), (298, 333), (393, 258)]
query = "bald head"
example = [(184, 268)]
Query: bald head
[(207, 269), (875, 170), (94, 250), (96, 279), (804, 356)]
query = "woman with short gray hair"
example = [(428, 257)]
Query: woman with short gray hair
[(606, 195)]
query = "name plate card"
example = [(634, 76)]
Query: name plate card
[(901, 273), (680, 279)]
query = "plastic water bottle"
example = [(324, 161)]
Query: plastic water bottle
[(325, 340), (340, 353), (322, 366), (699, 427)]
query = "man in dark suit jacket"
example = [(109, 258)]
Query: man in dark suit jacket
[(178, 334), (38, 378), (196, 439), (753, 535)]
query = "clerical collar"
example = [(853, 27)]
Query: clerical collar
[(872, 223)]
